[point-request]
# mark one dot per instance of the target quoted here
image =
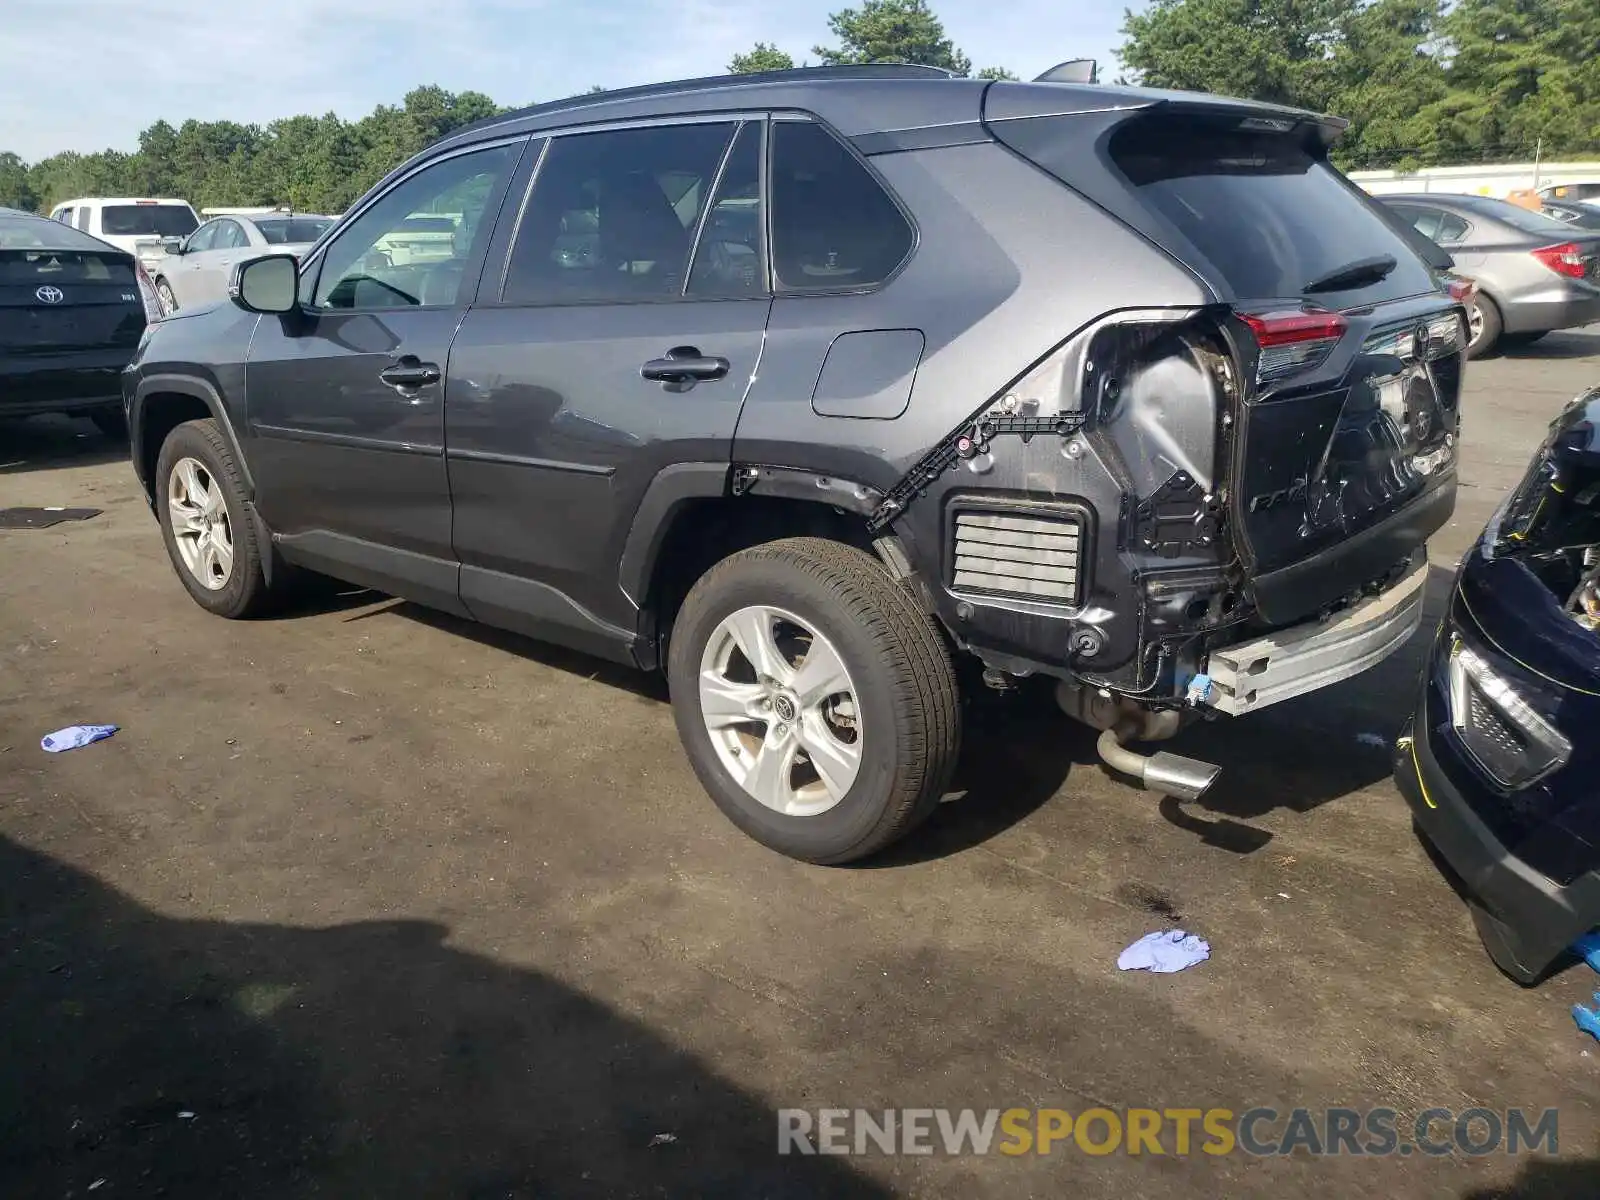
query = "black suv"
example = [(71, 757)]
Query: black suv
[(795, 384)]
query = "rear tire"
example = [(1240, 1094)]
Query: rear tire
[(210, 535), (1483, 320), (873, 748)]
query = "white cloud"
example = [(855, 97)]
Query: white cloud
[(91, 74)]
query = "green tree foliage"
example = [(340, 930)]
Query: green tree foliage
[(995, 73), (892, 31), (16, 189), (763, 56), (317, 164), (1420, 82)]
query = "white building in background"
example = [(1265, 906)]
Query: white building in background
[(1499, 180)]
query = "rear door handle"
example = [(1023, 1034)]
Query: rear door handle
[(684, 364), (409, 374)]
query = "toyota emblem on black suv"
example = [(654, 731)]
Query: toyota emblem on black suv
[(50, 294)]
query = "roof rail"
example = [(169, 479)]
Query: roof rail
[(714, 82)]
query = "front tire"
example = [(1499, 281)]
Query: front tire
[(167, 298), (815, 700), (206, 524)]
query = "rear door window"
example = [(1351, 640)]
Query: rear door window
[(834, 228), (729, 259), (1267, 215)]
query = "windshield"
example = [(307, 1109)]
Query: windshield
[(1267, 215), (290, 231), (147, 220)]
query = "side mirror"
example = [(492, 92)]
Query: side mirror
[(266, 285), (172, 245)]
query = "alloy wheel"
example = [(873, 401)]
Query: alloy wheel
[(781, 710), (201, 528)]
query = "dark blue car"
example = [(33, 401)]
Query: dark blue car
[(1499, 762)]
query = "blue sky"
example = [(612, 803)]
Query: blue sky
[(90, 74)]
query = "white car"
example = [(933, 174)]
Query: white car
[(194, 271), (129, 223)]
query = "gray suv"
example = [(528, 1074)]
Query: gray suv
[(807, 386)]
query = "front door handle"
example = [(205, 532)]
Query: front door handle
[(410, 373), (684, 364)]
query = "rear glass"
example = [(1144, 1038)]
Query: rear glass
[(146, 220), (21, 232), (37, 267), (292, 230), (1269, 216), (1523, 219)]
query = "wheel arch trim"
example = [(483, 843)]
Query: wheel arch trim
[(183, 385)]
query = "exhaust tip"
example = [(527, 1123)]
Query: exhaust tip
[(1179, 777)]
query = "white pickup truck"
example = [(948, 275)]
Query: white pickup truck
[(136, 225)]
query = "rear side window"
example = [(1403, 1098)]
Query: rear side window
[(1433, 223), (1268, 216), (146, 220), (83, 218), (612, 216), (834, 228)]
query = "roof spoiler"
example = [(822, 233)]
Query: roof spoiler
[(1074, 70)]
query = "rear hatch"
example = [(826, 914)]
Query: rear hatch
[(55, 302), (1349, 356)]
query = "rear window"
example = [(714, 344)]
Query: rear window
[(147, 220), (1525, 220), (1269, 216), (292, 230), (35, 268), (22, 232)]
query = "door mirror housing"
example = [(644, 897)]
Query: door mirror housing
[(266, 285), (172, 245)]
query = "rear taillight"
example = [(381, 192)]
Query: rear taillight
[(1293, 340), (1461, 290), (1565, 259), (147, 293)]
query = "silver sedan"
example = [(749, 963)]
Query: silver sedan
[(1534, 274), (194, 270)]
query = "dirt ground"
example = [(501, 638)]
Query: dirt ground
[(371, 902)]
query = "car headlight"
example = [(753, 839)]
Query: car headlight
[(1513, 744)]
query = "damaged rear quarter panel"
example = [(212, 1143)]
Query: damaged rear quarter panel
[(1010, 263)]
